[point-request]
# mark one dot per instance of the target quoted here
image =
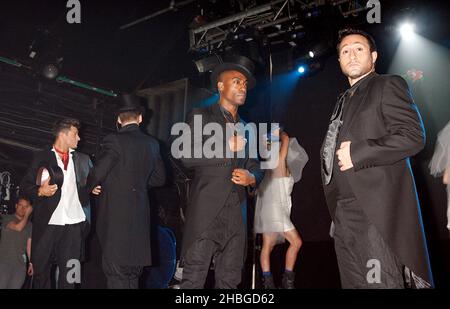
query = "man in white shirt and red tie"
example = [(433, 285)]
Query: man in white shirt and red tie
[(56, 182)]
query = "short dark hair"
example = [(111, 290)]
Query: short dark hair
[(25, 198), (349, 31), (130, 115), (65, 124)]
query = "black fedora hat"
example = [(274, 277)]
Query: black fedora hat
[(235, 63), (129, 103)]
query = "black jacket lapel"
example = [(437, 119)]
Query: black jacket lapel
[(357, 100)]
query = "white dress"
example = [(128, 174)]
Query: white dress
[(273, 205)]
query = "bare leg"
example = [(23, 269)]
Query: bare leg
[(268, 244), (295, 242)]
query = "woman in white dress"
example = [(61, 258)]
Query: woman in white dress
[(272, 215), (440, 163)]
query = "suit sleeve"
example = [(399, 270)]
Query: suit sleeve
[(406, 135), (108, 158), (158, 175), (189, 160)]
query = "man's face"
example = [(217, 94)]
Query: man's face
[(70, 137), (232, 87), (355, 57), (21, 207)]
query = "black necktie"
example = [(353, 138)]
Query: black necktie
[(331, 138)]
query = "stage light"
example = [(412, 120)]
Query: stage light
[(308, 68), (315, 51), (407, 30), (50, 71), (51, 67), (207, 64)]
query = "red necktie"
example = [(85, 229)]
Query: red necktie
[(64, 157)]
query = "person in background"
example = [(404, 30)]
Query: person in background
[(15, 246), (273, 207), (129, 163), (440, 163), (56, 183)]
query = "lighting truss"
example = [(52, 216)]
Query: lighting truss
[(213, 35)]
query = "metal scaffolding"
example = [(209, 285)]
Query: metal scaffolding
[(212, 35), (267, 17)]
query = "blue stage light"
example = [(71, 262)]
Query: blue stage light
[(301, 69)]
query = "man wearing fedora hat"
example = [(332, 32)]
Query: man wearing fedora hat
[(128, 165), (56, 181), (215, 225)]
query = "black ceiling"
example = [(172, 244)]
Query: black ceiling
[(154, 51)]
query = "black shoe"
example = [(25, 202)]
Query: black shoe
[(288, 280), (267, 282)]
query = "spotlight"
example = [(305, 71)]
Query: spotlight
[(308, 68), (407, 30), (301, 69), (51, 67), (207, 64), (50, 71), (46, 53), (314, 51)]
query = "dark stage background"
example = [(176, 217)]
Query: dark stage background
[(148, 57)]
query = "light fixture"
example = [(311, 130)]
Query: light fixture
[(407, 30), (207, 64), (50, 71)]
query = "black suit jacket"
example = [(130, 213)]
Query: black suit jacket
[(385, 129), (130, 162), (212, 181), (44, 207)]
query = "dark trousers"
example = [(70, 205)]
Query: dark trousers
[(61, 245), (362, 254), (121, 276), (223, 241)]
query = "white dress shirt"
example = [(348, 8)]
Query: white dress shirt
[(69, 209)]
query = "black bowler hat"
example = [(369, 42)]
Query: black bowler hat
[(54, 172), (235, 63), (129, 103)]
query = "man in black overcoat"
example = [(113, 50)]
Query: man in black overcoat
[(128, 165), (367, 177)]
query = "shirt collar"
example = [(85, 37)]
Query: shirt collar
[(228, 115), (131, 126), (71, 151), (362, 83)]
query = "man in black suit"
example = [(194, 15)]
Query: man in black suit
[(129, 164), (367, 177), (215, 226), (61, 207)]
